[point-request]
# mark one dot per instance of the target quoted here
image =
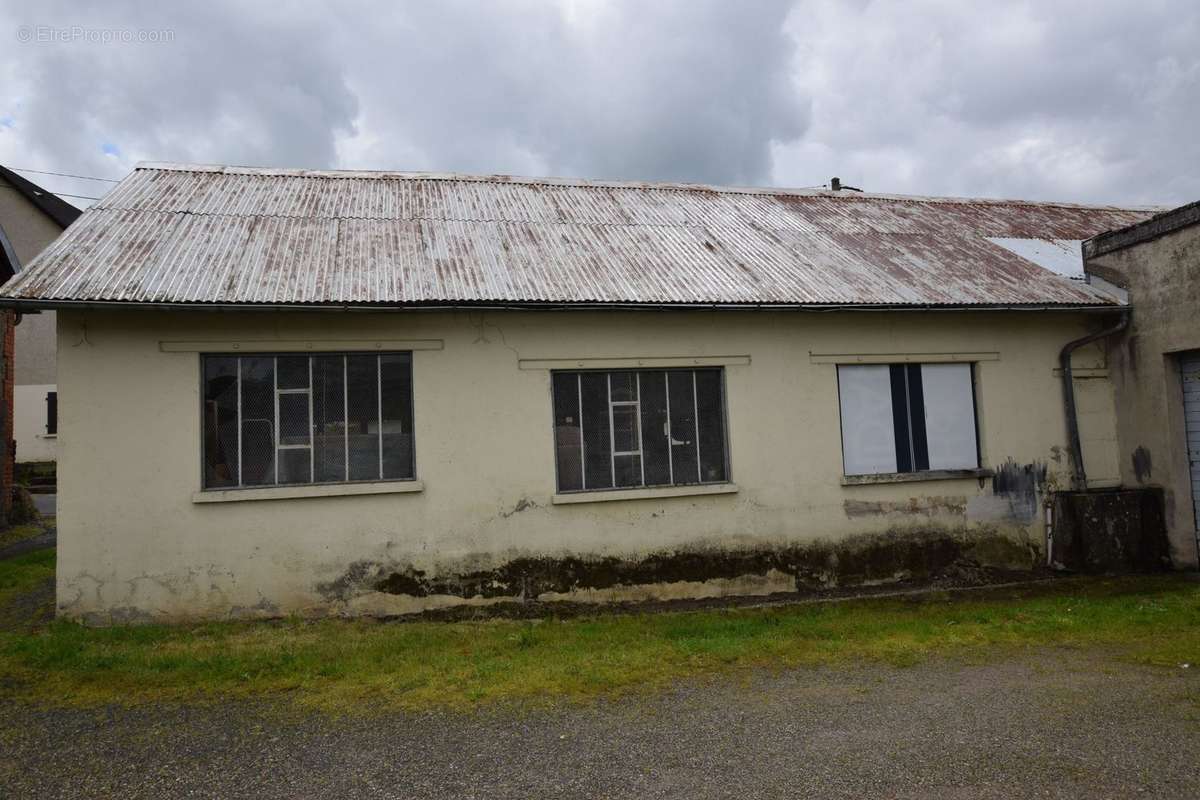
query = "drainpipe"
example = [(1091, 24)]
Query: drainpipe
[(1078, 475)]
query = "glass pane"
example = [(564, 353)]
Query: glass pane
[(654, 428), (868, 436), (396, 382), (329, 418), (596, 443), (684, 463), (628, 470), (625, 429), (567, 441), (220, 421), (950, 416), (293, 372), (258, 421), (294, 466), (362, 384), (712, 425), (624, 386), (293, 418)]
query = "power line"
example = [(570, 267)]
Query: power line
[(63, 175), (60, 194)]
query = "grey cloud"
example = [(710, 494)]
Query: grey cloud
[(1075, 101)]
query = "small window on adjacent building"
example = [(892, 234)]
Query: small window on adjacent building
[(295, 419), (907, 418), (637, 428), (52, 413)]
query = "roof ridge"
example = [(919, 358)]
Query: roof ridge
[(587, 183)]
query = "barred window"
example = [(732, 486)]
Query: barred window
[(907, 418), (637, 428), (294, 419)]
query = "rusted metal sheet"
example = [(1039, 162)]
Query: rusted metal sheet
[(187, 234)]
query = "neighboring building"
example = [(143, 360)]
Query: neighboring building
[(350, 392), (1155, 362), (32, 218)]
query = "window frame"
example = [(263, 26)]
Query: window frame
[(727, 461), (310, 355), (913, 474)]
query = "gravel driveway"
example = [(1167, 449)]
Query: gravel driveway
[(1046, 724)]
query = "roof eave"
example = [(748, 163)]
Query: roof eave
[(39, 304)]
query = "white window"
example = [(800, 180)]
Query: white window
[(292, 419), (907, 418)]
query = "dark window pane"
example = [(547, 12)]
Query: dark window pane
[(258, 421), (628, 470), (624, 386), (685, 467), (329, 419), (900, 418), (597, 445), (220, 421), (363, 391), (625, 429), (293, 372), (294, 466), (396, 382), (654, 428), (567, 441), (711, 406), (916, 418), (293, 418)]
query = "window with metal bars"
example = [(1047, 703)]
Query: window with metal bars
[(907, 418), (638, 428), (295, 419)]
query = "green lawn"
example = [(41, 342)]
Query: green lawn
[(23, 574), (371, 666), (18, 533)]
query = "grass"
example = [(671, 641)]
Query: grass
[(24, 573), (18, 533), (369, 666)]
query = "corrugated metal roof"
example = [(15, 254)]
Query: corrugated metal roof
[(197, 234)]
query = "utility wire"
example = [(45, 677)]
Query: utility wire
[(63, 175), (60, 194)]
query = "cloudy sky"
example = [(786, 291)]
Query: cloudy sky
[(1086, 101)]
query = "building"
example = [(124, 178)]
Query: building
[(32, 218), (1155, 362), (351, 392)]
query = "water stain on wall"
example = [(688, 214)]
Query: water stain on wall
[(1143, 467), (1020, 485), (902, 554)]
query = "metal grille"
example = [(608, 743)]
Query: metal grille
[(639, 428), (289, 419)]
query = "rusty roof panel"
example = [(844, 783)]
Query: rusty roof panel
[(198, 234)]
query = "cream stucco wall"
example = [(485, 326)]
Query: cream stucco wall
[(1163, 279), (29, 423), (133, 544)]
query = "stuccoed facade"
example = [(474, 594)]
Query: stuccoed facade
[(483, 523), (1158, 263)]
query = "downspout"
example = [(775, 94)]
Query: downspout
[(1078, 474)]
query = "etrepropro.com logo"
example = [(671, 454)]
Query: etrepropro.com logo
[(81, 34)]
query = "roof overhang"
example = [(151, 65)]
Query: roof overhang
[(33, 304)]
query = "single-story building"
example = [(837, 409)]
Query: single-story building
[(319, 392)]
